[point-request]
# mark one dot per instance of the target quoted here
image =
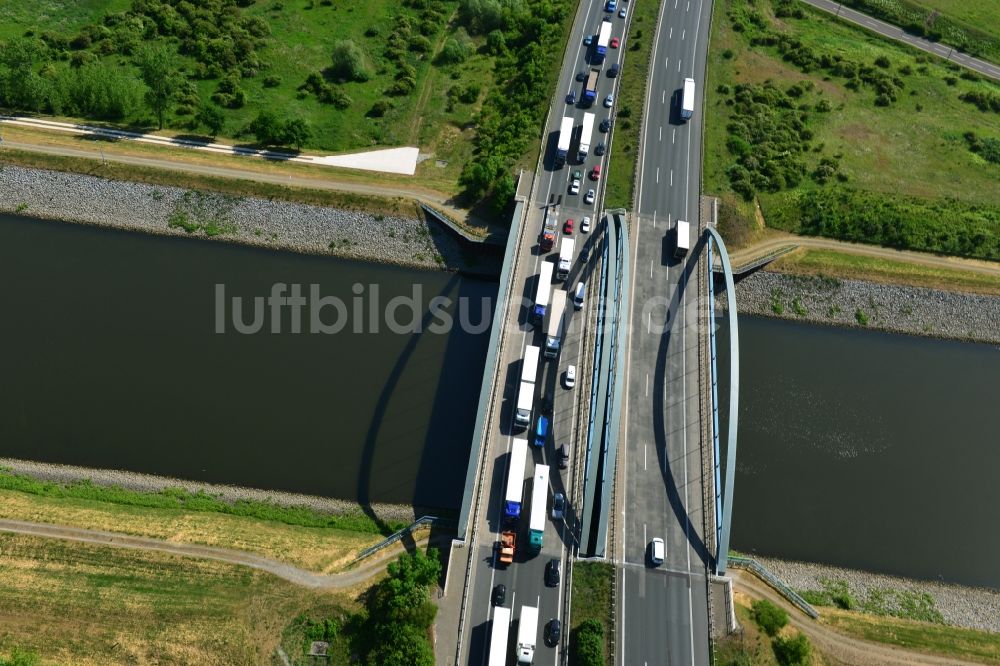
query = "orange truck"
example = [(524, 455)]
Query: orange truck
[(507, 541)]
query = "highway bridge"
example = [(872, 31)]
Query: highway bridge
[(640, 425)]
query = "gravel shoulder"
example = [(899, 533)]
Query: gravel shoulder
[(273, 224), (859, 304)]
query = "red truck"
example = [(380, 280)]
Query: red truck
[(548, 237)]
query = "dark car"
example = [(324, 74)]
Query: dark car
[(564, 449), (584, 256), (581, 76), (552, 573), (553, 630), (600, 149), (613, 70), (499, 594), (571, 98), (606, 124), (546, 405)]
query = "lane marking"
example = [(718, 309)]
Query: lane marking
[(674, 137), (671, 178), (683, 33), (657, 174), (661, 132), (670, 36)]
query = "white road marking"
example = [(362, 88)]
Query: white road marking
[(663, 98), (683, 34), (657, 174), (671, 178), (671, 35), (661, 132), (645, 455), (650, 268), (674, 136), (678, 65), (647, 383)]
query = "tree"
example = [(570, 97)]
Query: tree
[(212, 118), (454, 52), (160, 74), (296, 132), (266, 127), (349, 61), (590, 643)]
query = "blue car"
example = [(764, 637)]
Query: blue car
[(588, 40), (610, 6), (541, 431)]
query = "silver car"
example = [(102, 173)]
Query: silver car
[(589, 196), (558, 506)]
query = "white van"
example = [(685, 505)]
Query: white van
[(579, 295), (656, 551)]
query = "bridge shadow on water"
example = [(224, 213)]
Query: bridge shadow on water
[(661, 429), (440, 458)]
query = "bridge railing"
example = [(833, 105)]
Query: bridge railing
[(759, 570), (395, 536)]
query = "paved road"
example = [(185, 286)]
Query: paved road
[(895, 32), (370, 567), (779, 240), (525, 578), (664, 611)]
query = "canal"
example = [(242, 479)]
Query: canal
[(868, 450), (112, 357)]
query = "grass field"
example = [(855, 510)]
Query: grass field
[(313, 548), (919, 636), (852, 266), (301, 41), (592, 599), (910, 155), (85, 604)]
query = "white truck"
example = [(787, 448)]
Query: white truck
[(554, 329), (683, 240), (526, 389), (527, 632), (588, 130), (498, 636), (687, 99), (565, 136), (539, 504), (566, 249), (603, 37)]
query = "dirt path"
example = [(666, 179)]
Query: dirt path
[(346, 579), (839, 647), (777, 240)]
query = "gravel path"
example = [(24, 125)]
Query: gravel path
[(345, 579), (266, 223), (894, 308), (972, 607), (152, 483)]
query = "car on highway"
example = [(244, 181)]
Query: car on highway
[(541, 431), (595, 173), (568, 226), (585, 253), (546, 405), (564, 456), (600, 149), (574, 186), (614, 40), (657, 551), (589, 196), (588, 40), (553, 631), (613, 70), (558, 506), (581, 76), (609, 101), (605, 125), (585, 225), (610, 5), (552, 573), (499, 594), (571, 97), (621, 12), (569, 380)]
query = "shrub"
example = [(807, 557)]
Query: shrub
[(590, 643), (212, 118), (380, 108), (272, 81), (454, 52), (349, 62), (883, 62), (769, 617), (793, 651)]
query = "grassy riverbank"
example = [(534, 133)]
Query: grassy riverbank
[(302, 537), (843, 265), (84, 604)]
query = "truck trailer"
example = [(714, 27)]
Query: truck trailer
[(539, 503), (590, 88), (542, 292), (683, 241), (498, 636), (565, 136), (548, 237), (515, 480), (527, 632), (555, 327), (687, 99), (566, 250), (588, 130), (603, 37)]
